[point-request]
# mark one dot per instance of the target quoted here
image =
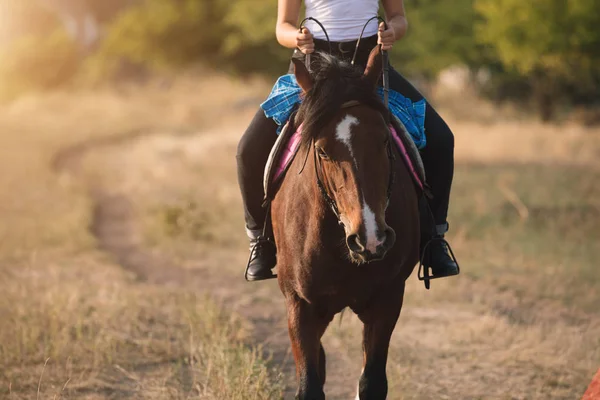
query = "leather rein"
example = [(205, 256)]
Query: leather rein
[(390, 153)]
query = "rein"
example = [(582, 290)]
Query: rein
[(386, 87), (308, 57), (384, 55)]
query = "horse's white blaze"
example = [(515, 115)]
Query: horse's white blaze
[(343, 132), (370, 228)]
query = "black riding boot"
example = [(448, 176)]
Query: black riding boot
[(263, 258), (436, 255)]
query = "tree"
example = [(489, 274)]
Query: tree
[(237, 36), (555, 43), (165, 33), (440, 34), (250, 42)]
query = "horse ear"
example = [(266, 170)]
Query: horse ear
[(374, 66), (302, 75)]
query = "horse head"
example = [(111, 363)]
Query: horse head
[(345, 129)]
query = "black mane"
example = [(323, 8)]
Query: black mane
[(335, 82)]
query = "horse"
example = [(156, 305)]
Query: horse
[(345, 221)]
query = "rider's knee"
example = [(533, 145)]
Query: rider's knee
[(448, 139), (244, 150), (442, 142)]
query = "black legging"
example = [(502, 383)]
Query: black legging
[(252, 154), (256, 143)]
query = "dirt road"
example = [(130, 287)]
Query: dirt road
[(465, 339)]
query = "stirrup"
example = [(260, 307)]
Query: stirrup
[(423, 273), (259, 240)]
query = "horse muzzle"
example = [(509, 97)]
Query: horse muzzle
[(363, 251)]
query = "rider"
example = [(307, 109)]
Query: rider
[(344, 21)]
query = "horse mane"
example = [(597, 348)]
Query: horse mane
[(335, 82)]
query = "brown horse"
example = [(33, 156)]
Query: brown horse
[(340, 245)]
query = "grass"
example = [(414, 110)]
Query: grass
[(521, 322), (120, 339), (550, 250), (74, 324)]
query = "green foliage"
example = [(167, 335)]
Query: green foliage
[(440, 34), (250, 44), (249, 23), (555, 36), (554, 45), (165, 33), (159, 34), (540, 49)]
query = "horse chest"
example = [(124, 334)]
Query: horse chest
[(342, 284)]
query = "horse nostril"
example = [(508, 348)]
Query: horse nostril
[(387, 241), (383, 238), (390, 237), (354, 244)]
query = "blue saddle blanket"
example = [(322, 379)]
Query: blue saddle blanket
[(286, 95)]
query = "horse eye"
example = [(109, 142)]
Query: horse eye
[(322, 153)]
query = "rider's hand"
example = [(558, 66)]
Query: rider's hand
[(386, 37), (305, 42)]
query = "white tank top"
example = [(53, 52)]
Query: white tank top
[(343, 19)]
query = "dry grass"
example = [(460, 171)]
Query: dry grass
[(74, 324), (522, 321), (120, 339)]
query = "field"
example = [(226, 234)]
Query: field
[(122, 251)]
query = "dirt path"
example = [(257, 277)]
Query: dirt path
[(490, 341), (117, 232)]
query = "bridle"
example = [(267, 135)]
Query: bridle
[(328, 199), (390, 153)]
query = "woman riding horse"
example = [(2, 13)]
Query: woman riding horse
[(344, 20)]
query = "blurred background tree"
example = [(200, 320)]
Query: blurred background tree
[(250, 42), (542, 51), (161, 34), (440, 35), (553, 44)]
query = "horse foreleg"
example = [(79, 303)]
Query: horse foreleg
[(322, 365), (379, 322), (306, 327)]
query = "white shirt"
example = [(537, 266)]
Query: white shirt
[(343, 19)]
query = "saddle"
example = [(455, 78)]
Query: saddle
[(280, 158), (288, 143)]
